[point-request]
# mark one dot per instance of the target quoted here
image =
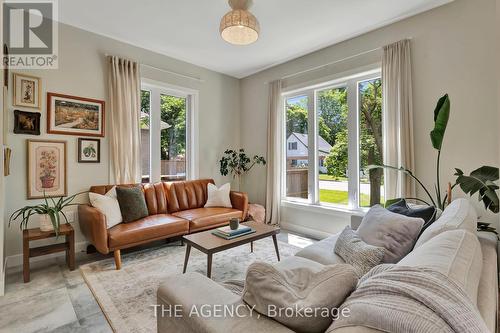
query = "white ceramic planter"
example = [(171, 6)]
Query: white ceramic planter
[(45, 222)]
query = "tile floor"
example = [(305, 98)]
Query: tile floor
[(58, 300)]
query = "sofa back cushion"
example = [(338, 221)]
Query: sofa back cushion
[(458, 215), (454, 253), (187, 194)]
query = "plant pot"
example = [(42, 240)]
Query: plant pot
[(45, 222), (47, 181)]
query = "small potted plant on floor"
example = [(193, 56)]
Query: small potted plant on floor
[(237, 163), (49, 213)]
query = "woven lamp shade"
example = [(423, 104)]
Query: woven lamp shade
[(239, 27)]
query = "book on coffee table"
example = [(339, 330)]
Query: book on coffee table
[(228, 237), (230, 232)]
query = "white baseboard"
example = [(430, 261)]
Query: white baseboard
[(308, 232), (17, 259)]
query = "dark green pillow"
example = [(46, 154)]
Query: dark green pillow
[(132, 203)]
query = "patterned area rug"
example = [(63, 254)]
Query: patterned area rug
[(126, 296)]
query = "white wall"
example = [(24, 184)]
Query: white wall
[(453, 51), (82, 72)]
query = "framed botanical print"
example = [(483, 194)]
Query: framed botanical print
[(27, 91), (46, 168), (89, 150), (26, 122), (73, 115)]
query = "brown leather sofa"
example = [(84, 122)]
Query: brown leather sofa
[(175, 209)]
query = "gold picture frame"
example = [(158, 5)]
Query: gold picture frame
[(27, 91)]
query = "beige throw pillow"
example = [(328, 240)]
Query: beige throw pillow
[(286, 290), (218, 197), (108, 205)]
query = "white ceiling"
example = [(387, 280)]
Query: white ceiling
[(189, 29)]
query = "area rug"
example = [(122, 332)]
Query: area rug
[(127, 296)]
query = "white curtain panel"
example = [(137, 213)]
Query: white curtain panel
[(273, 154), (124, 82), (398, 118)]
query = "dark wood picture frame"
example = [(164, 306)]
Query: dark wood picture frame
[(18, 127), (69, 131), (80, 160), (6, 66), (29, 170)]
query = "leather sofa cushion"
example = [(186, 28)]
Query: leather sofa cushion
[(148, 228), (456, 254), (207, 218)]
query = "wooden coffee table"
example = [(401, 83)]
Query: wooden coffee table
[(208, 243)]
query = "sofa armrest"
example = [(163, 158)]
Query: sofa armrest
[(189, 303), (239, 200), (93, 225)]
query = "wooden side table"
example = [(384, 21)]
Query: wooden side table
[(36, 234)]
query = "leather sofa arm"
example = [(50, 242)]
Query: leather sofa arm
[(239, 200), (93, 226)]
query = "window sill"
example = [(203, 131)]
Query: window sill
[(324, 209)]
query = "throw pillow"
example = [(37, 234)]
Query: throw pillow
[(355, 252), (427, 213), (108, 205), (394, 232), (279, 291), (218, 197), (132, 203), (458, 215)]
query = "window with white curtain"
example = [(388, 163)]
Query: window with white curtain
[(338, 128), (166, 133)]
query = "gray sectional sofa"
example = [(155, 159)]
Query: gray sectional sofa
[(466, 257)]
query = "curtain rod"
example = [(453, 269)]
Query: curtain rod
[(312, 69), (194, 78)]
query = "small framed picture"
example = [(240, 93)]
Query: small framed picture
[(72, 115), (26, 122), (89, 150), (27, 91), (46, 169)]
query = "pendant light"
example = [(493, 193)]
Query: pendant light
[(239, 26)]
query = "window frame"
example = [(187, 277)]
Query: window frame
[(157, 89), (351, 83)]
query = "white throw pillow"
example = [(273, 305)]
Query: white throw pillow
[(219, 197), (108, 205)]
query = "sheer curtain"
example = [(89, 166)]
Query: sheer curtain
[(273, 154), (124, 82), (398, 118)]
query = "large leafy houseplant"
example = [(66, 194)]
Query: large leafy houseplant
[(482, 180), (51, 207), (238, 163)]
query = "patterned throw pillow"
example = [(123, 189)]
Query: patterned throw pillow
[(132, 203), (357, 253)]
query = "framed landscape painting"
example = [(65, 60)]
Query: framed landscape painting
[(46, 168), (27, 91), (89, 150), (73, 115)]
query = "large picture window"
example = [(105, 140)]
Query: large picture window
[(333, 132), (165, 133)]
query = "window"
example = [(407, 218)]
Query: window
[(166, 150), (292, 146), (339, 128)]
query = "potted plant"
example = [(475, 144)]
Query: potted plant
[(482, 180), (49, 213), (48, 162), (237, 163)]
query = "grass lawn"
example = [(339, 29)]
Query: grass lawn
[(329, 177), (340, 197)]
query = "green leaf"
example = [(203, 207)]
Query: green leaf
[(441, 116), (391, 202), (481, 181)]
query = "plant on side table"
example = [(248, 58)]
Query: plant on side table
[(238, 163), (49, 213), (482, 180)]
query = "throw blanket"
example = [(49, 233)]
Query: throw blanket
[(396, 299)]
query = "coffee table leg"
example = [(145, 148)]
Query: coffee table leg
[(209, 265), (251, 247), (275, 241), (186, 258)]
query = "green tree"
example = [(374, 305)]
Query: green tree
[(333, 112), (173, 139), (296, 119), (336, 162)]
